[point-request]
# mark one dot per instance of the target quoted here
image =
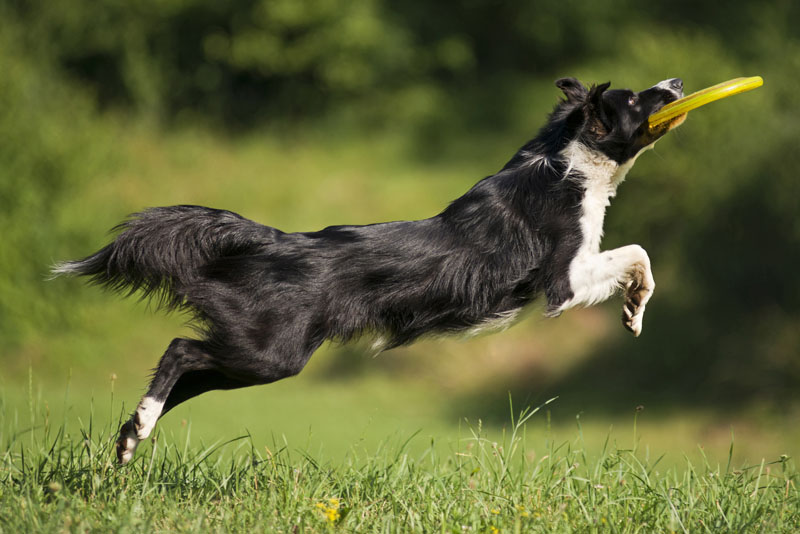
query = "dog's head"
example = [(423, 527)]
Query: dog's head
[(614, 121)]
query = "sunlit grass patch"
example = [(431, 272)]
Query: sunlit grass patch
[(54, 480)]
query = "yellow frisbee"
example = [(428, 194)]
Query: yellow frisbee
[(701, 98)]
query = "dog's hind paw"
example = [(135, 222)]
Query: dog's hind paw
[(127, 442), (146, 416)]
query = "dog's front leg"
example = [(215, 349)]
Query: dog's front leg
[(596, 277)]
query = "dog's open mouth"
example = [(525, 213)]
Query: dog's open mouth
[(651, 134), (662, 128)]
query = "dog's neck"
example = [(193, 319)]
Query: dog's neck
[(592, 169), (596, 170), (599, 176)]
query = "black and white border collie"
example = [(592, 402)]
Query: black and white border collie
[(265, 300)]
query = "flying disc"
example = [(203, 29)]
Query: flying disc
[(703, 97)]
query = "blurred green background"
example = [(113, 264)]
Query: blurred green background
[(306, 113)]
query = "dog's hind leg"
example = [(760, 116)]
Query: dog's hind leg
[(189, 368), (181, 357), (194, 383)]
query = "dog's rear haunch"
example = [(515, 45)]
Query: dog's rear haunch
[(266, 300)]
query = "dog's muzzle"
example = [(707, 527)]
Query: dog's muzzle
[(673, 85)]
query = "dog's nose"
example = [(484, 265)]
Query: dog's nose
[(676, 83)]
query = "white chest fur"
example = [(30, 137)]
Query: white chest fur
[(602, 177), (593, 275), (600, 183)]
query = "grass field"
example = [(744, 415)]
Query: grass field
[(55, 479)]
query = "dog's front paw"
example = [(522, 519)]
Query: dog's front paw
[(638, 291)]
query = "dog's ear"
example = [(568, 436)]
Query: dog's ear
[(596, 94), (573, 89), (597, 120)]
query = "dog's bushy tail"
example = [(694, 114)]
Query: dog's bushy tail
[(160, 251)]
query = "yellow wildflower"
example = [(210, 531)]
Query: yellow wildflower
[(332, 514), (330, 509)]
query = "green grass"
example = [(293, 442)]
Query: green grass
[(472, 479)]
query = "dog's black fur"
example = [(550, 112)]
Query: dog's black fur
[(266, 300)]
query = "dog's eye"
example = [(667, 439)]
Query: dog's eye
[(632, 100)]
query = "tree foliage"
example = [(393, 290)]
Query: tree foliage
[(719, 213)]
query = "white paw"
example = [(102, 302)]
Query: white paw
[(633, 320), (126, 443), (637, 294), (146, 416)]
